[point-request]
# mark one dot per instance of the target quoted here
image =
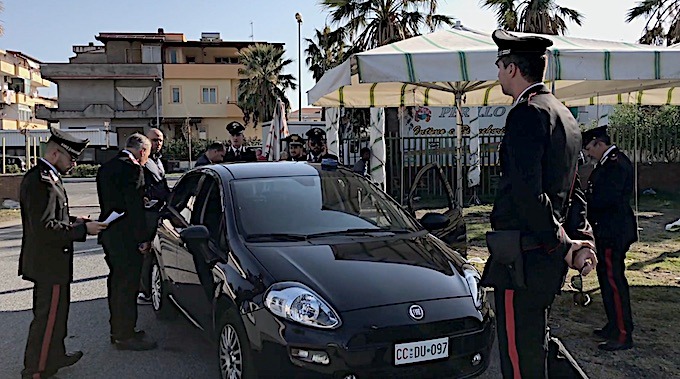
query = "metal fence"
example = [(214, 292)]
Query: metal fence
[(660, 143)]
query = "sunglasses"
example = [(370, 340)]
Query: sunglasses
[(580, 298)]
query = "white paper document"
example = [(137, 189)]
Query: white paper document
[(113, 217)]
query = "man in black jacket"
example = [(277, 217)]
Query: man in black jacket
[(47, 254), (214, 154), (318, 146), (538, 158), (156, 189), (610, 188), (120, 186)]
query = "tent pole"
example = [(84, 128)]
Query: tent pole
[(637, 193), (459, 149), (403, 158)]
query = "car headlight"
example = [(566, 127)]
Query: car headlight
[(472, 277), (296, 302)]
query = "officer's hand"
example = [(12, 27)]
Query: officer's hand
[(585, 260), (94, 227), (144, 247)]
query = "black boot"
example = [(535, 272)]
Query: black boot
[(136, 344)]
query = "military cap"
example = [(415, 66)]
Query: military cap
[(593, 134), (235, 128), (74, 146), (294, 139), (316, 134), (511, 44)]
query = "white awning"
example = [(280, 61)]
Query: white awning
[(135, 95)]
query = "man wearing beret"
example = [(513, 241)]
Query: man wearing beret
[(610, 187), (539, 208), (318, 148), (296, 152), (237, 152), (47, 254), (120, 187)]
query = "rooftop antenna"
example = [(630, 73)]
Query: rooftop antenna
[(252, 33)]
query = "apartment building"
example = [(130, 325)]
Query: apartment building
[(19, 96), (200, 86)]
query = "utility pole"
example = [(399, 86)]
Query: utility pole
[(298, 17)]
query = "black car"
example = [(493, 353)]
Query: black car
[(306, 270)]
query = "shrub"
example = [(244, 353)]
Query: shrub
[(84, 170)]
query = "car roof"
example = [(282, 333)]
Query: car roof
[(251, 170)]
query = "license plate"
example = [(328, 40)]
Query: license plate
[(421, 351)]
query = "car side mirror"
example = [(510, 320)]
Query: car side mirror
[(434, 221), (195, 234)]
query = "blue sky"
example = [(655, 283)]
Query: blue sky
[(46, 29)]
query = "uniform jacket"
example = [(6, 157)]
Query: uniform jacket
[(318, 159), (48, 232), (610, 188), (538, 156), (239, 155), (302, 158), (156, 185), (202, 161), (120, 186)]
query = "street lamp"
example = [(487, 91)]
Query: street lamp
[(298, 17)]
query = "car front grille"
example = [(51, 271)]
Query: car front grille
[(416, 332)]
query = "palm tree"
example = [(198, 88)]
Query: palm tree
[(264, 81), (325, 51), (533, 16), (372, 23), (660, 14)]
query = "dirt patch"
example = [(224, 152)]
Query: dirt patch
[(653, 271), (10, 215)]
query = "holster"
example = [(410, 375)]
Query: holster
[(505, 249)]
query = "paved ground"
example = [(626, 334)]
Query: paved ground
[(183, 353)]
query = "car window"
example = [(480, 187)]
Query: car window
[(333, 201), (429, 194), (183, 199), (211, 210)]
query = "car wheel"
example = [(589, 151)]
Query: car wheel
[(159, 294), (235, 355)]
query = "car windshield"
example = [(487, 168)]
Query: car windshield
[(335, 202)]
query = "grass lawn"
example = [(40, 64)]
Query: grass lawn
[(653, 272)]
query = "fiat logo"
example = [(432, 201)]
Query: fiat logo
[(416, 312)]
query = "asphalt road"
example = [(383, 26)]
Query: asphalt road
[(183, 351)]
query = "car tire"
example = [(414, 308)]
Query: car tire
[(235, 356), (160, 302)]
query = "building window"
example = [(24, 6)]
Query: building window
[(226, 60), (209, 95), (191, 59), (173, 56), (176, 97), (25, 113)]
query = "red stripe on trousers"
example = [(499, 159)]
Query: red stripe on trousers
[(510, 330), (47, 338), (617, 296)]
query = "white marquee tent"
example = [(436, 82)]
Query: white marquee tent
[(452, 67)]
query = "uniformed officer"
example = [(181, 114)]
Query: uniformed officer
[(538, 158), (47, 254), (237, 152), (318, 148), (610, 187), (120, 187), (296, 151), (214, 154)]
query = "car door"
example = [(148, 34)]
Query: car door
[(431, 192), (173, 220), (195, 285)]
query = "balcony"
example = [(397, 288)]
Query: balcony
[(33, 124), (115, 110), (55, 71), (201, 71)]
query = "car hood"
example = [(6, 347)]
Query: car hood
[(368, 272)]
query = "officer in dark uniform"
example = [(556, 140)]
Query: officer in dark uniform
[(237, 152), (120, 187), (610, 188), (47, 254), (538, 158), (296, 151), (318, 148)]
